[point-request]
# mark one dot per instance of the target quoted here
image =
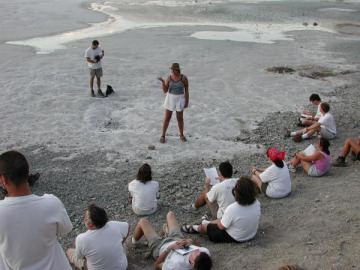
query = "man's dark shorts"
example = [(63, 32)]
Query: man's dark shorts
[(96, 72)]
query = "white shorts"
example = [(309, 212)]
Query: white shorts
[(315, 172), (324, 133), (142, 212), (174, 102)]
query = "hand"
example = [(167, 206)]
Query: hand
[(305, 130), (253, 170), (186, 105), (207, 182), (161, 79)]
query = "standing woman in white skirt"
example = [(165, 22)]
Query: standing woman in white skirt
[(176, 88)]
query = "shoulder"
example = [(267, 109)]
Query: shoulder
[(50, 198)]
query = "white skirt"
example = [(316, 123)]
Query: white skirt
[(174, 102)]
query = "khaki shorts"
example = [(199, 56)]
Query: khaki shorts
[(156, 243), (324, 133), (96, 72)]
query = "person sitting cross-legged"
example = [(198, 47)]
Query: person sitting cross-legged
[(167, 251), (350, 146), (240, 220), (217, 197), (101, 247), (325, 126)]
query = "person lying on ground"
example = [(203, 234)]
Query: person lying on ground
[(217, 197), (316, 164), (240, 220), (173, 251), (144, 192), (350, 146), (325, 127), (274, 181), (30, 224), (307, 118), (101, 247)]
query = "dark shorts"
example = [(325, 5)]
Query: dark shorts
[(96, 72), (264, 187), (156, 243), (218, 236)]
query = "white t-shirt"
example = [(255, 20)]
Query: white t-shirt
[(222, 194), (144, 195), (241, 222), (91, 53), (176, 261), (327, 121), (318, 113), (278, 179), (103, 247), (29, 226)]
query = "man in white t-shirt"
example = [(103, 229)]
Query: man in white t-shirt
[(307, 118), (240, 220), (173, 251), (325, 126), (29, 224), (93, 56), (217, 197), (101, 247)]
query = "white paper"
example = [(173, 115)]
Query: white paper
[(310, 150), (212, 174)]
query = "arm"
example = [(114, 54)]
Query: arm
[(90, 61), (313, 157), (218, 223), (186, 83), (102, 54), (124, 239), (165, 84)]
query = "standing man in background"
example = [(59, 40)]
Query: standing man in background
[(93, 55)]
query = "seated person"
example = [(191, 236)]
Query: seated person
[(307, 118), (316, 164), (144, 192), (325, 126), (164, 250), (350, 145), (274, 181), (240, 220), (101, 247), (217, 197)]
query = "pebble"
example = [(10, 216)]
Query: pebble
[(151, 147)]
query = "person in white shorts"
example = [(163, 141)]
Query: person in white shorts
[(217, 197), (93, 56), (101, 247), (176, 88), (173, 251), (325, 127), (29, 224), (144, 192)]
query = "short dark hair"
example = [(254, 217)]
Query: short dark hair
[(314, 97), (245, 191), (144, 173), (98, 216), (325, 107), (226, 169), (95, 42), (203, 262), (14, 165)]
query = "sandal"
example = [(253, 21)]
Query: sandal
[(188, 229), (162, 139), (204, 217), (183, 138)]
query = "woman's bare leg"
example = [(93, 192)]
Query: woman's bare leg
[(167, 119), (180, 120)]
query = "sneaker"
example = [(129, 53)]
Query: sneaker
[(297, 138), (100, 93), (92, 93), (292, 168), (190, 209), (286, 133), (33, 178), (339, 162)]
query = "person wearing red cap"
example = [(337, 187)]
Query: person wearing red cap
[(274, 181)]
